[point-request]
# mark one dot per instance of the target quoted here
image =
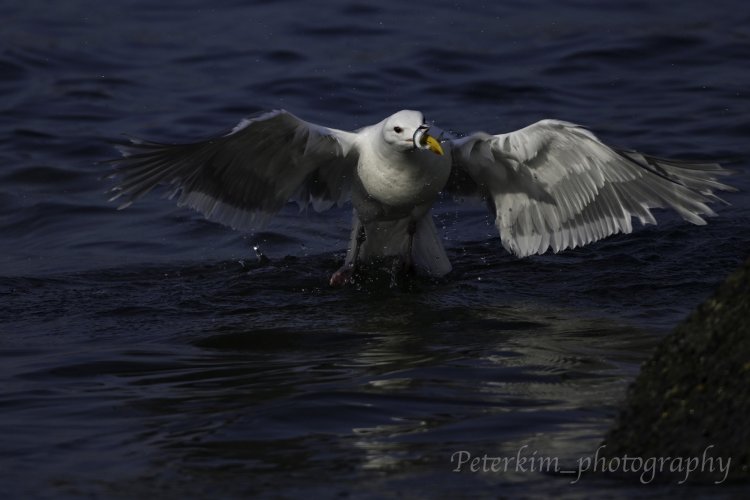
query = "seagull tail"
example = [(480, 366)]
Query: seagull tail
[(428, 251)]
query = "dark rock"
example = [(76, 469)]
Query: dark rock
[(693, 396)]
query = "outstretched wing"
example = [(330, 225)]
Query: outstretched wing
[(244, 177), (554, 185)]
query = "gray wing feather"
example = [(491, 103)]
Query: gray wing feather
[(244, 177), (554, 185)]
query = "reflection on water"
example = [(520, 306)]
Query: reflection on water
[(368, 383), (202, 373)]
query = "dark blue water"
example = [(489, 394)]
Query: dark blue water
[(148, 353)]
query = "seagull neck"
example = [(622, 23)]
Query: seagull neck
[(376, 151)]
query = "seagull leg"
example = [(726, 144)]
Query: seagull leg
[(361, 237), (402, 266), (411, 231), (345, 272)]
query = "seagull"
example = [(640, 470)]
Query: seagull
[(552, 185)]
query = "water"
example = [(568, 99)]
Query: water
[(148, 352)]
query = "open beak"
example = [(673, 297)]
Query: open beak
[(423, 140), (433, 145)]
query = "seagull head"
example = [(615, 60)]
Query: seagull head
[(406, 130)]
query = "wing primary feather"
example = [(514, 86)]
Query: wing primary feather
[(244, 176), (556, 185)]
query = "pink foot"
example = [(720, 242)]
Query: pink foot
[(342, 277)]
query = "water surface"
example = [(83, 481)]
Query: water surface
[(148, 352)]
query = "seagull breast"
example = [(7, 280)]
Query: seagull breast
[(401, 178)]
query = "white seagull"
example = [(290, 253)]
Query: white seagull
[(551, 185)]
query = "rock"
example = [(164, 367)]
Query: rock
[(692, 398)]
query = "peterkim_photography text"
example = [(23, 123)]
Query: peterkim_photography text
[(646, 468)]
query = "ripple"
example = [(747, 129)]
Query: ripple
[(214, 57), (23, 133), (341, 31), (638, 50), (43, 175), (448, 61), (406, 72), (482, 90), (116, 367), (11, 72), (37, 218), (289, 87), (274, 339), (360, 9)]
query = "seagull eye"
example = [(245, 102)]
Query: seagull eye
[(398, 130)]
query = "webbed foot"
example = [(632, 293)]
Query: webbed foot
[(342, 277)]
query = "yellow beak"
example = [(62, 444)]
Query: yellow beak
[(433, 145)]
